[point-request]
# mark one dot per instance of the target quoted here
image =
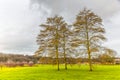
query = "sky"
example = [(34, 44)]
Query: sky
[(20, 20)]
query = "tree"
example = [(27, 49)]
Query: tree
[(66, 36), (88, 27), (107, 56), (49, 38)]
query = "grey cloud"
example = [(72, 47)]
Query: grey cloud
[(19, 27), (104, 8), (113, 31)]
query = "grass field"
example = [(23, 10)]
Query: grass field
[(49, 72)]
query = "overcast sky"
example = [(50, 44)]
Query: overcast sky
[(20, 20)]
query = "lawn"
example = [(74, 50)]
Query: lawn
[(49, 72)]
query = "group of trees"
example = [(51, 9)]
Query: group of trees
[(108, 56), (57, 39), (13, 60), (53, 38), (17, 58)]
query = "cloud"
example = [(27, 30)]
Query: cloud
[(18, 27), (104, 8), (113, 31)]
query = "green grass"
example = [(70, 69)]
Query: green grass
[(49, 72)]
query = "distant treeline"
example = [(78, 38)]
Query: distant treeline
[(99, 60), (17, 58)]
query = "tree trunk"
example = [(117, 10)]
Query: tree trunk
[(57, 54), (65, 60), (57, 58), (90, 62), (88, 46)]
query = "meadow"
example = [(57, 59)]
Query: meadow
[(49, 72)]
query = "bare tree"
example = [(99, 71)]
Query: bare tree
[(66, 38), (88, 27), (107, 56), (50, 36)]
